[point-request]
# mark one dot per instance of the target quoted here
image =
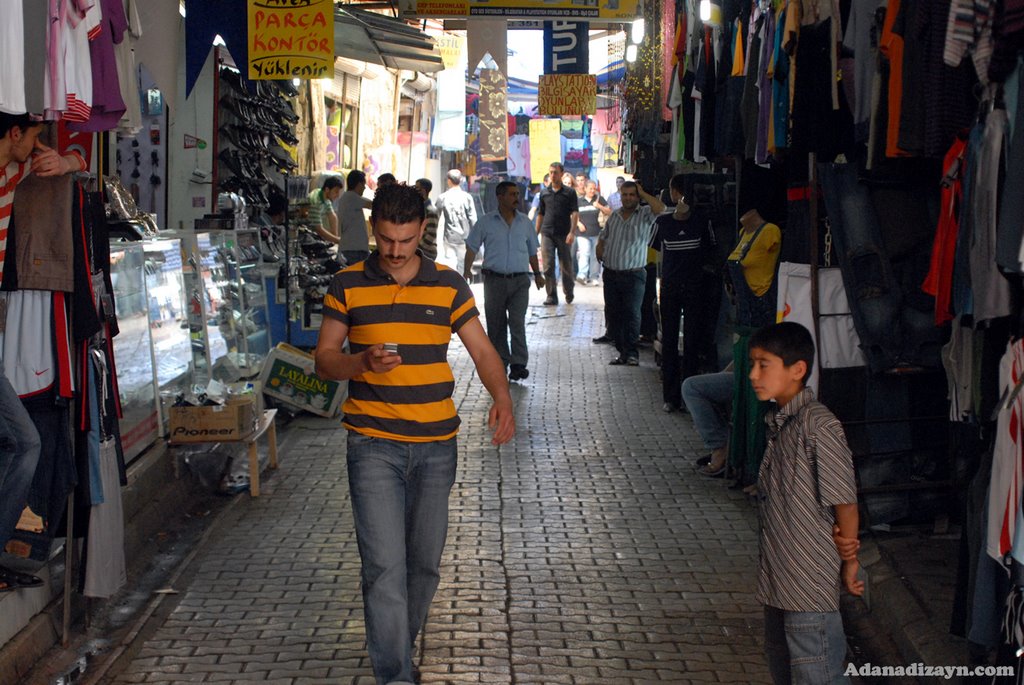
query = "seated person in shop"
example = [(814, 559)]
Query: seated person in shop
[(708, 397), (21, 153), (322, 217), (807, 469)]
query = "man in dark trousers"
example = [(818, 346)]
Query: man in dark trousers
[(557, 215), (681, 237), (509, 242)]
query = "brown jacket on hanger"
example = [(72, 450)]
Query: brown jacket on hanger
[(44, 250)]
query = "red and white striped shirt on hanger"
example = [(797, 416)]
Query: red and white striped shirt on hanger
[(10, 177)]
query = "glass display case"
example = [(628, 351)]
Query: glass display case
[(168, 321), (227, 309), (133, 348)]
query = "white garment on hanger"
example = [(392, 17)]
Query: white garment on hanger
[(12, 45)]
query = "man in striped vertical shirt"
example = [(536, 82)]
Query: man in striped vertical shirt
[(808, 514), (398, 311), (622, 248), (21, 153)]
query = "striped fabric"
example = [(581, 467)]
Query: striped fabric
[(10, 177), (625, 240), (806, 471), (969, 29), (318, 206), (412, 402)]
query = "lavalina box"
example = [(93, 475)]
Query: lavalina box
[(216, 423), (285, 378)]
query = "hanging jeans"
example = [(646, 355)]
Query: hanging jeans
[(872, 291)]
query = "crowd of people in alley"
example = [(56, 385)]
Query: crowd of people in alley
[(397, 309)]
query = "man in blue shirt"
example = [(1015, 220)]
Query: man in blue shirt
[(510, 252)]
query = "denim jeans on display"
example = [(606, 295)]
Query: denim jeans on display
[(399, 496), (623, 296), (873, 293), (505, 304), (805, 647), (549, 247), (708, 398), (19, 455)]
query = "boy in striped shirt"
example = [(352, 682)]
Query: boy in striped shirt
[(21, 153), (808, 514)]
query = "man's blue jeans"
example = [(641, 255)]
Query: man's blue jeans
[(399, 496), (505, 303), (19, 455), (588, 267), (708, 398), (805, 647), (623, 296)]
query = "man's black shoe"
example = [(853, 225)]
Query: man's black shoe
[(602, 340), (569, 297), (518, 372), (551, 301), (618, 361)]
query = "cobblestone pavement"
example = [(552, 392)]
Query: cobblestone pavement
[(585, 551)]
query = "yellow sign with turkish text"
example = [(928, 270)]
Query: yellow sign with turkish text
[(291, 39), (561, 94), (545, 146), (608, 10)]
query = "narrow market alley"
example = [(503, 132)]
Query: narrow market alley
[(588, 550)]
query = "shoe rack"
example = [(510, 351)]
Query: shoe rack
[(254, 123)]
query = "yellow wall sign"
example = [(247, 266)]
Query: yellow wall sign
[(545, 146), (560, 94), (291, 39), (608, 10)]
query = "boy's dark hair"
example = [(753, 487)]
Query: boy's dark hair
[(425, 184), (9, 121), (385, 179), (500, 189), (333, 182), (398, 204), (355, 177), (789, 341), (678, 183), (630, 184)]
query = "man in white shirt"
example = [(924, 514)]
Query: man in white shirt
[(456, 216)]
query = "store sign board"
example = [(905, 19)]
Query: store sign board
[(609, 10), (452, 47), (545, 146), (562, 94), (566, 47), (291, 39)]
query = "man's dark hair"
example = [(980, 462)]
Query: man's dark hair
[(547, 177), (500, 189), (678, 182), (385, 179), (333, 182), (425, 184), (561, 168), (278, 204), (355, 177), (630, 184), (9, 121), (397, 204), (789, 341)]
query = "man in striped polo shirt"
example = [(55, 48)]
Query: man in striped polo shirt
[(622, 248), (21, 153), (398, 311)]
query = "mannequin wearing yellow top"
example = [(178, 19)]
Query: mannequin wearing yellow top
[(759, 263)]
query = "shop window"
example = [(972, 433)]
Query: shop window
[(343, 123)]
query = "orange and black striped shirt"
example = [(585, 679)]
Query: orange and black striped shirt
[(413, 401)]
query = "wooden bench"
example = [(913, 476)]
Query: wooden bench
[(267, 427)]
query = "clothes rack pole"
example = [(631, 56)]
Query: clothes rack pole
[(287, 263), (69, 562), (812, 196)]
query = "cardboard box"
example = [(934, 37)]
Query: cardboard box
[(218, 423), (285, 379)]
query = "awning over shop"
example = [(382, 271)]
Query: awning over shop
[(379, 39)]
